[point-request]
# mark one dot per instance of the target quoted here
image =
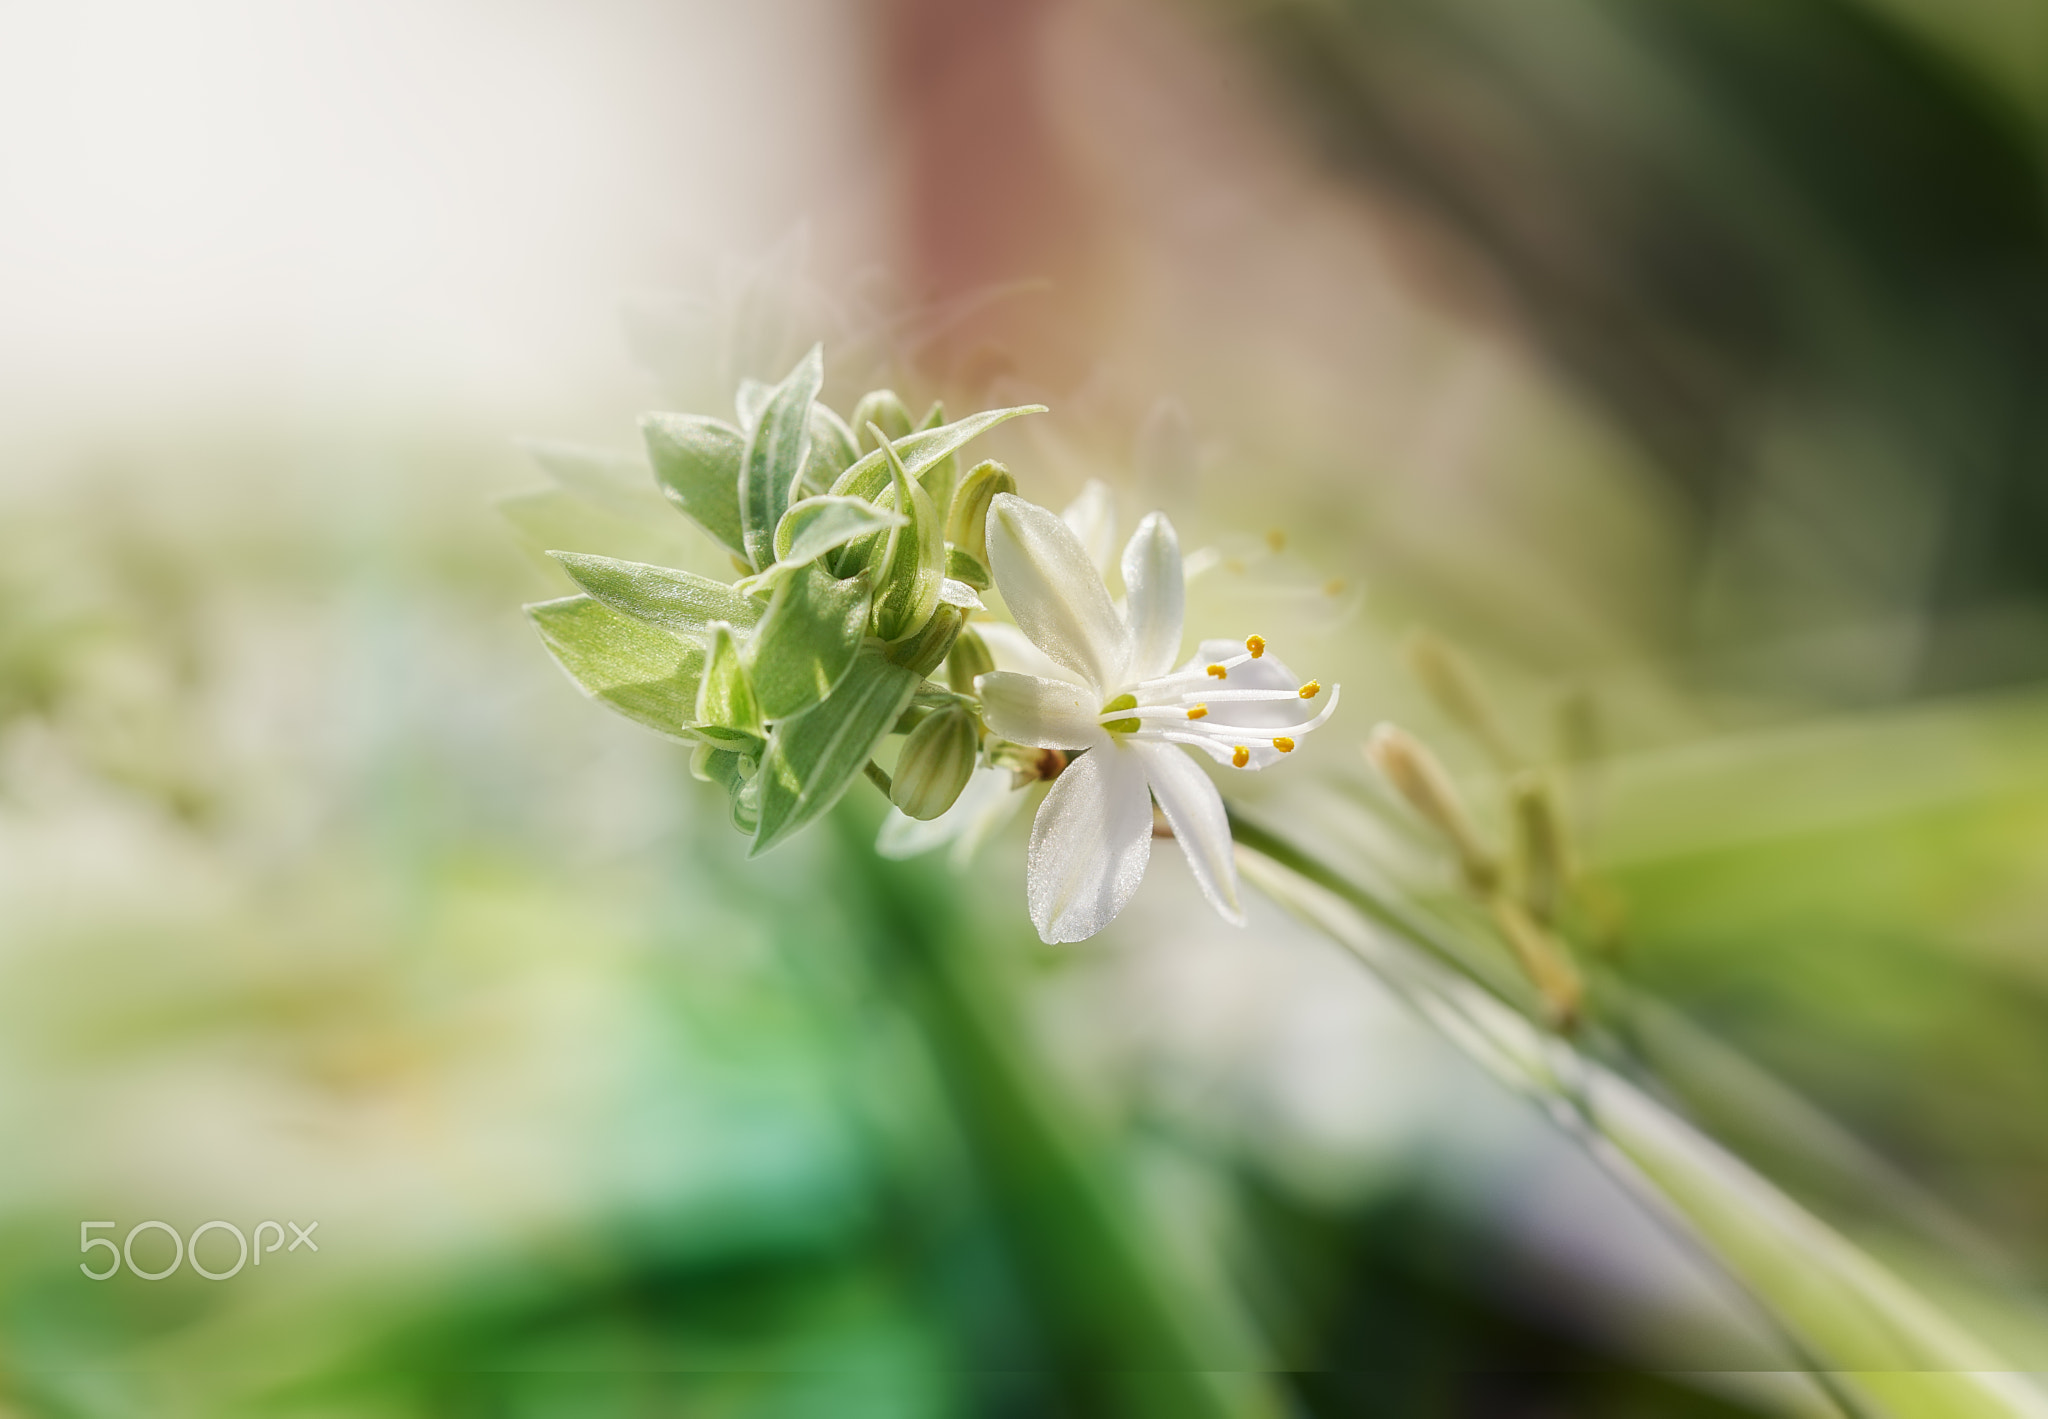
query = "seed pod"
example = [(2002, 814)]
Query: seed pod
[(1415, 774), (885, 410), (938, 759), (967, 524), (968, 661)]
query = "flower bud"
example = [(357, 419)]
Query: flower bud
[(884, 409), (938, 759), (1406, 763), (1578, 728), (1541, 848), (967, 526), (1450, 681), (970, 659), (1544, 959), (925, 651)]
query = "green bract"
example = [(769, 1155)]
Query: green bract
[(788, 677)]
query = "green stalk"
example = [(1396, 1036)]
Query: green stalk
[(1138, 1337), (1872, 1344)]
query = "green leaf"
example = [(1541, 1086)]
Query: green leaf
[(681, 603), (644, 673), (817, 525), (697, 463), (833, 450), (620, 483), (752, 398), (549, 517), (940, 479), (814, 756), (913, 560), (807, 641), (963, 568), (921, 451), (775, 454), (1875, 1344), (725, 698)]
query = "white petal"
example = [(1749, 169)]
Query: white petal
[(1195, 810), (1092, 516), (1013, 650), (1089, 845), (991, 800), (1046, 714), (1155, 595), (1054, 593)]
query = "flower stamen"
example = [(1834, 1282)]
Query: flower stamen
[(1240, 756), (1311, 689), (1199, 712), (1284, 744), (1256, 645), (1219, 672)]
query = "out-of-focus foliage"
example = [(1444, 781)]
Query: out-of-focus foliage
[(1796, 250)]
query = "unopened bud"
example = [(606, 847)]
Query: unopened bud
[(967, 524), (1578, 728), (1544, 959), (1453, 685), (1541, 848), (938, 759), (969, 660), (1406, 763), (925, 651), (885, 410)]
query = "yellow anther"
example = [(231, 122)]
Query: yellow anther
[(1334, 586), (1240, 756), (1256, 645), (1219, 672), (1285, 746), (1199, 712), (1311, 689), (1277, 540)]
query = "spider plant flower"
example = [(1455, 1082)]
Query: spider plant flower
[(1122, 707)]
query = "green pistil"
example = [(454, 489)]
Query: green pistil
[(1122, 726)]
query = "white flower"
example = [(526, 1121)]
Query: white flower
[(1116, 700)]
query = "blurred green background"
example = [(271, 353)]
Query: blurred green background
[(1688, 355)]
